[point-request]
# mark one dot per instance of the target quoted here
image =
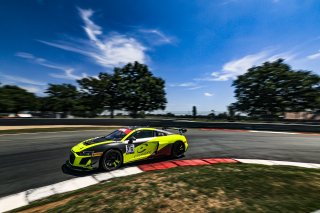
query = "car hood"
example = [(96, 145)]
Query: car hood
[(90, 143)]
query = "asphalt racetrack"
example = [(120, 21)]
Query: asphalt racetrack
[(34, 160)]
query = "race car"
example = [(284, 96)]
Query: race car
[(127, 145)]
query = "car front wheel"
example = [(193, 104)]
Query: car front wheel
[(111, 160)]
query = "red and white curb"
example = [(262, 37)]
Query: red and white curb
[(24, 198)]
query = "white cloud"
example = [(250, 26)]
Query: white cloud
[(226, 2), (314, 56), (33, 89), (25, 83), (185, 84), (18, 79), (90, 27), (157, 37), (208, 94), (107, 51), (40, 61), (237, 67), (24, 55), (68, 73), (234, 68), (195, 87)]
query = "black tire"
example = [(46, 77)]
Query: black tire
[(111, 160), (178, 149)]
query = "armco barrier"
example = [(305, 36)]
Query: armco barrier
[(163, 123)]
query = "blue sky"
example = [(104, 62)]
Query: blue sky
[(198, 47)]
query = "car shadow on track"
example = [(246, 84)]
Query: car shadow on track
[(66, 170)]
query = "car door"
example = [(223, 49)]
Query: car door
[(142, 147)]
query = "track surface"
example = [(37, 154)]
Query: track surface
[(34, 160)]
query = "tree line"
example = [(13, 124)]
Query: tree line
[(265, 91), (132, 88), (273, 88)]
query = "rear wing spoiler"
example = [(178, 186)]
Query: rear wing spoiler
[(181, 130)]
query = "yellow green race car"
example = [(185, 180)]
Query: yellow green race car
[(126, 145)]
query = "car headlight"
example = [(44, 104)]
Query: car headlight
[(90, 153), (85, 153)]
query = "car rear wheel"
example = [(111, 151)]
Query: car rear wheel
[(178, 149), (111, 160)]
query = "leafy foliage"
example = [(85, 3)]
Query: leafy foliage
[(61, 98), (101, 93), (139, 89), (274, 88), (15, 99), (132, 88), (194, 111)]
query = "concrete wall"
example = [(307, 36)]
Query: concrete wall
[(163, 123), (301, 116)]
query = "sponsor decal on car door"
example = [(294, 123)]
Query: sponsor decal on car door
[(142, 145), (140, 149)]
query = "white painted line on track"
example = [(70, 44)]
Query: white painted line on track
[(279, 163), (255, 161), (39, 193), (13, 201), (126, 171), (74, 184), (261, 131), (24, 198), (287, 163), (103, 176), (316, 166), (273, 132), (132, 170)]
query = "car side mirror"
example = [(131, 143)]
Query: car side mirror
[(131, 139)]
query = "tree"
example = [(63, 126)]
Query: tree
[(194, 111), (101, 93), (15, 99), (212, 115), (140, 90), (62, 98), (222, 116), (231, 111), (273, 88)]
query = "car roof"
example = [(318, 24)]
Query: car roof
[(145, 128), (134, 128), (154, 129)]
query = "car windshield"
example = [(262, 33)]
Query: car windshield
[(116, 135)]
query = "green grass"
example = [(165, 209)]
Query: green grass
[(212, 188), (54, 129)]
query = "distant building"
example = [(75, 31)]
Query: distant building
[(301, 116)]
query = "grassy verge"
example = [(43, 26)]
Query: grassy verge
[(15, 131), (212, 188)]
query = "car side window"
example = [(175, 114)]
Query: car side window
[(143, 134), (159, 134)]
